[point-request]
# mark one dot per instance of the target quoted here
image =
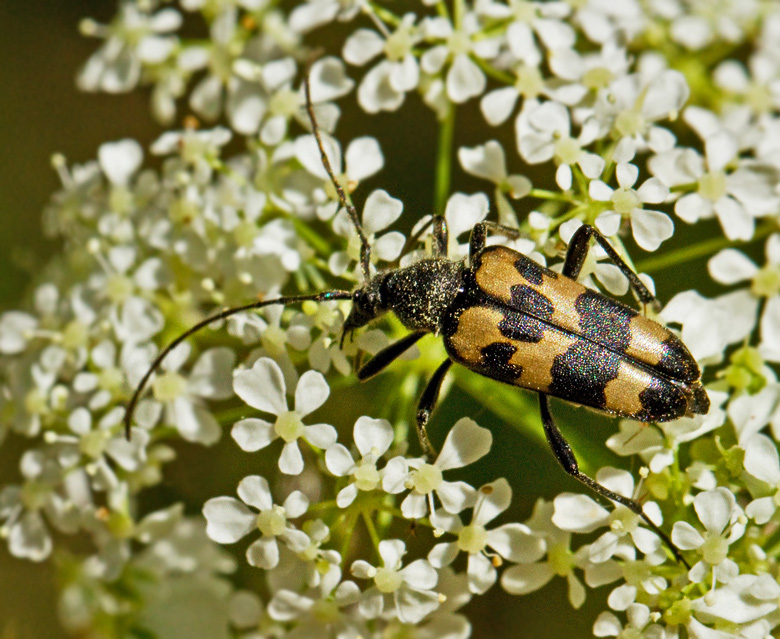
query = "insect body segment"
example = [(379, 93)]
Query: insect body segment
[(520, 323)]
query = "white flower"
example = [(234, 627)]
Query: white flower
[(464, 79), (408, 590), (580, 513), (761, 461), (465, 444), (724, 523), (230, 520), (561, 560), (45, 492), (182, 396), (736, 190), (363, 158), (746, 599), (263, 387), (373, 438), (319, 614), (639, 624), (512, 541), (95, 446), (380, 211), (731, 266), (631, 105), (385, 86), (543, 133), (489, 162), (649, 227), (134, 38)]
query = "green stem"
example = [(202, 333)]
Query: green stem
[(700, 249), (372, 532), (444, 160)]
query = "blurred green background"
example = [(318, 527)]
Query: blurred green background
[(41, 112)]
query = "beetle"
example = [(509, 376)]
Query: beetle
[(504, 316)]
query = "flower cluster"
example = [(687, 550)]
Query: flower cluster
[(641, 119)]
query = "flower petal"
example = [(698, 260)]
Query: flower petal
[(311, 392), (228, 520), (262, 386), (465, 443), (252, 434)]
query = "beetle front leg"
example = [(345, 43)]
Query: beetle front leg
[(480, 232), (426, 405), (579, 245), (388, 355), (565, 456)]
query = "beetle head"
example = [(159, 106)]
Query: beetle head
[(367, 304)]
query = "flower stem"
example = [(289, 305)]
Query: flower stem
[(700, 249), (444, 160)]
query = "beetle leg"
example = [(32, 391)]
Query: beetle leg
[(440, 236), (480, 232), (565, 456), (426, 405), (579, 245), (387, 355)]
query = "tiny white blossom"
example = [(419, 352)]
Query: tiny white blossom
[(229, 520), (182, 395), (724, 524), (649, 227), (514, 542), (465, 443), (561, 560), (406, 589), (373, 438), (580, 513), (263, 387)]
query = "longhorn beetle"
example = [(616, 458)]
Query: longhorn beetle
[(506, 317)]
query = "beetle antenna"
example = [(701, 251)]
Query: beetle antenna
[(293, 299), (365, 248)]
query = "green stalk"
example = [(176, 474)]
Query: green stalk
[(444, 160), (700, 249)]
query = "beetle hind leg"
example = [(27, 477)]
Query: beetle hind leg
[(426, 405), (579, 245), (565, 456)]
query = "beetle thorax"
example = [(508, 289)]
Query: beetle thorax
[(420, 294)]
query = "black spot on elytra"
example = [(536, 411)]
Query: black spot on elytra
[(582, 372), (677, 361), (530, 270), (521, 327), (531, 301), (495, 362), (662, 401), (604, 320)]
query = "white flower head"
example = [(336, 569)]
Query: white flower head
[(182, 396), (408, 590), (465, 443), (229, 520), (580, 513), (373, 438), (649, 227), (514, 542), (263, 387), (724, 523)]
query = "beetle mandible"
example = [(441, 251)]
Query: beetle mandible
[(506, 317)]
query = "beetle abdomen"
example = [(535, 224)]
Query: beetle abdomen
[(524, 351), (517, 282)]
